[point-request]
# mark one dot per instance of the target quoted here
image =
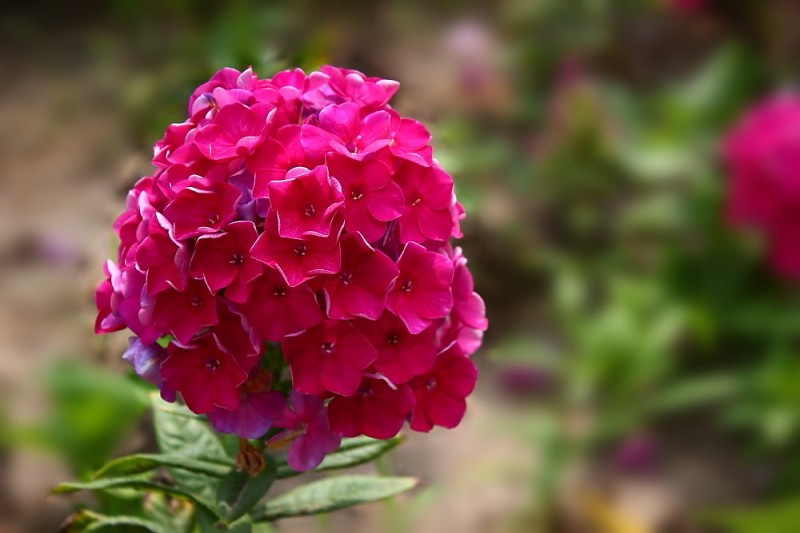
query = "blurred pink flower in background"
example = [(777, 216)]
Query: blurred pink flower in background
[(762, 153)]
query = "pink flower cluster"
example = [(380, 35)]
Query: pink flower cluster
[(300, 216), (762, 153)]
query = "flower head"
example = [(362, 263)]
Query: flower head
[(297, 222), (762, 153)]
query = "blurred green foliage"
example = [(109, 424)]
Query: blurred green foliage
[(91, 411), (596, 226)]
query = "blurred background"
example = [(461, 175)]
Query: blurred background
[(641, 371)]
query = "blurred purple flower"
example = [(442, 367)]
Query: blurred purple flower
[(636, 454), (57, 250), (525, 380), (687, 6)]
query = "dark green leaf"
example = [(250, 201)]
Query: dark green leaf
[(331, 494), (144, 462), (78, 521), (179, 431), (238, 491), (117, 524), (137, 483)]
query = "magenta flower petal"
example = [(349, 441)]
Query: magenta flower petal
[(274, 309), (360, 287), (440, 394), (274, 157), (234, 131), (306, 421), (422, 291), (298, 260), (330, 356), (202, 207), (376, 410), (401, 354), (428, 193), (185, 313), (252, 418), (222, 258), (205, 375), (307, 204)]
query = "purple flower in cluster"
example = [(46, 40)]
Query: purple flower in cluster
[(146, 361)]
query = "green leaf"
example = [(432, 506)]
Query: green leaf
[(79, 521), (238, 491), (136, 483), (124, 523), (331, 494), (178, 430), (171, 514), (352, 452), (145, 462), (776, 517), (86, 521), (92, 411), (694, 392)]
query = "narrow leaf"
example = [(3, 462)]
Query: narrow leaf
[(694, 392), (137, 483), (238, 491), (331, 494), (115, 523), (143, 462), (78, 521)]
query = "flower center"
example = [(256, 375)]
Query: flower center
[(309, 210), (280, 291), (328, 347), (300, 250), (407, 286), (357, 195), (213, 218), (416, 202), (345, 277), (237, 258), (430, 384), (394, 338), (197, 301), (212, 363)]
